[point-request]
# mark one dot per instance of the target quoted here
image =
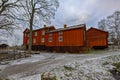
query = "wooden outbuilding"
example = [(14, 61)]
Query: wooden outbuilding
[(96, 38)]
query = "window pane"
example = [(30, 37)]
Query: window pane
[(35, 34), (50, 34), (28, 41), (34, 40), (60, 38), (28, 35), (43, 32), (50, 39), (43, 40), (60, 32), (25, 34)]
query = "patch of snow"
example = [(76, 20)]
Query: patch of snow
[(80, 66), (33, 77), (33, 58), (91, 69), (2, 67)]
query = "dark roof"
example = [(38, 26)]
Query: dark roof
[(4, 45), (49, 27), (68, 28), (25, 30), (96, 29)]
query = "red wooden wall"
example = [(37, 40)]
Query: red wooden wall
[(96, 37), (38, 37), (73, 37)]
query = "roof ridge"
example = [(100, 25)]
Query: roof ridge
[(97, 29), (68, 28)]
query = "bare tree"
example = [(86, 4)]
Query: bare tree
[(7, 16), (102, 25), (112, 23), (34, 12)]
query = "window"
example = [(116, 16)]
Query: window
[(60, 32), (60, 38), (50, 39), (50, 34), (34, 40), (25, 34), (43, 40), (35, 34), (28, 41), (28, 34), (43, 32)]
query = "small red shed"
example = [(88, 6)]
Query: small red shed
[(96, 38)]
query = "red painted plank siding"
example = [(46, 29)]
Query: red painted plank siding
[(38, 38), (96, 37), (73, 37)]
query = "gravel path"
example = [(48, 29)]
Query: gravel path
[(27, 69)]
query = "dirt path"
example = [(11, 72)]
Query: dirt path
[(42, 66)]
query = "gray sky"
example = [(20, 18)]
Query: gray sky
[(73, 12), (84, 11)]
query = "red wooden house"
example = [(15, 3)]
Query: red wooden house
[(67, 39), (38, 37), (96, 38)]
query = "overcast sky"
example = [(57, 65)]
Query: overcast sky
[(84, 11), (73, 12)]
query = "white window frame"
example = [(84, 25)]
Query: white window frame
[(60, 38), (34, 40), (60, 32), (43, 32), (25, 34), (28, 41), (50, 34), (50, 39), (42, 40), (28, 35), (35, 33)]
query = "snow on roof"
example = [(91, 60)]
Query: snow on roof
[(68, 28), (27, 30), (44, 28)]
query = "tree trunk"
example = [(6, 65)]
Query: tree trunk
[(31, 29), (118, 44), (30, 39)]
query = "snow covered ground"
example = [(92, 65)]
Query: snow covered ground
[(63, 66)]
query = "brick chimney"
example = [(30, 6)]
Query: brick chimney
[(65, 25), (45, 26)]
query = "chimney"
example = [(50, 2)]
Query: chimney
[(65, 25), (45, 26)]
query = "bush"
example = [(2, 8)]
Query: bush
[(48, 76)]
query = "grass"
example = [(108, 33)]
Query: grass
[(43, 77), (93, 51), (117, 65), (4, 79), (68, 68), (116, 71)]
